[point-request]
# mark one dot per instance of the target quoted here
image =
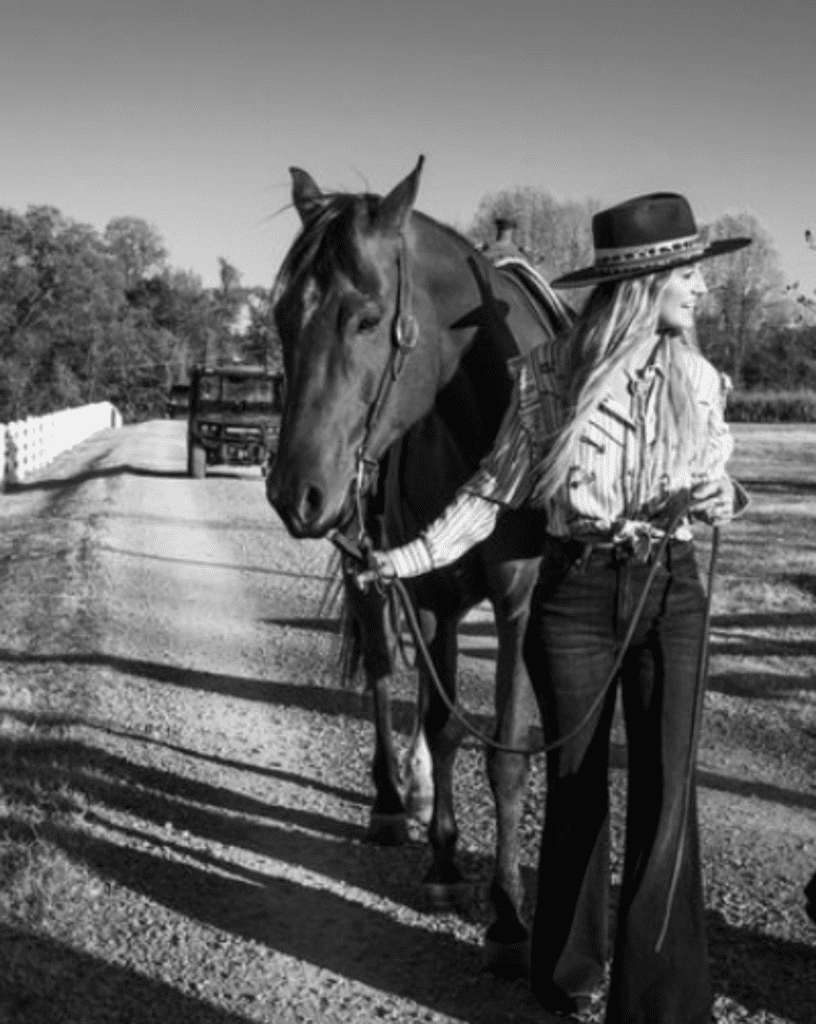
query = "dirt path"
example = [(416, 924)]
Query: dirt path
[(186, 793)]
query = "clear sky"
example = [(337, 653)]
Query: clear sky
[(188, 113)]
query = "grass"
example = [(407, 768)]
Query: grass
[(34, 875)]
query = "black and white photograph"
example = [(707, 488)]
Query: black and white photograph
[(407, 512)]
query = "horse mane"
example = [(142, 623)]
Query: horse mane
[(322, 244)]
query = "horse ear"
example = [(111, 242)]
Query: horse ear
[(396, 206), (306, 195)]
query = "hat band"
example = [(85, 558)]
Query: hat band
[(637, 255)]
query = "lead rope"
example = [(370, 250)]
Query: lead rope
[(545, 748), (696, 724)]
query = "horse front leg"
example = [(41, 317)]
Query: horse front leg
[(445, 887), (418, 766), (387, 824), (375, 644), (506, 950)]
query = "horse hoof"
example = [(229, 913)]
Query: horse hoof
[(446, 896), (420, 808), (508, 960), (387, 829)]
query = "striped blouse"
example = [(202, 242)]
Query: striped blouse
[(605, 495)]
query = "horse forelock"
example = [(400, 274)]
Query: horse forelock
[(327, 248)]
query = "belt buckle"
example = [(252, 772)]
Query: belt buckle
[(641, 548)]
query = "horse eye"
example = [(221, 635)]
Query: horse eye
[(368, 322)]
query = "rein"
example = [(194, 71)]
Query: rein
[(360, 555)]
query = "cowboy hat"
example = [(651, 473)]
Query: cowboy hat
[(645, 235)]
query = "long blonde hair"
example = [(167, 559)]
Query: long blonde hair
[(617, 329)]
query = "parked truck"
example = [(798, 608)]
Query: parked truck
[(234, 416)]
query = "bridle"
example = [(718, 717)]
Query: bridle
[(404, 337)]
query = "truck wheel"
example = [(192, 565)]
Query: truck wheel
[(197, 462)]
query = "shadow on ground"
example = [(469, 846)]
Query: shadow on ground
[(95, 473), (45, 982), (163, 859)]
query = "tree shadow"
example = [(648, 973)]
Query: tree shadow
[(326, 700), (774, 485), (753, 646), (47, 721), (152, 792), (46, 982), (479, 653), (767, 685), (101, 473), (226, 474), (309, 924), (177, 804), (764, 974), (484, 628), (310, 625), (342, 792), (761, 972), (314, 924), (804, 582), (763, 620), (707, 779), (432, 968)]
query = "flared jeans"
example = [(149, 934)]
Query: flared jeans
[(574, 636)]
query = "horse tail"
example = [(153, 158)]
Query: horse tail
[(351, 644)]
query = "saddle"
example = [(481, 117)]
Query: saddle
[(550, 308)]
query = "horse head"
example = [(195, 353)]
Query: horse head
[(360, 347)]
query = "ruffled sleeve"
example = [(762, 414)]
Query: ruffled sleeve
[(505, 476), (720, 441)]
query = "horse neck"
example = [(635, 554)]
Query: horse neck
[(482, 319)]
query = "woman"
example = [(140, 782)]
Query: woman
[(617, 431)]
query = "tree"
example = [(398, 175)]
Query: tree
[(60, 292), (228, 298), (176, 301), (261, 340), (137, 246), (70, 332), (745, 294), (556, 236)]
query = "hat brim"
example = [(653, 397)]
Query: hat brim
[(595, 275)]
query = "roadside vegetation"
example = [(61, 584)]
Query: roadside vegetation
[(88, 315)]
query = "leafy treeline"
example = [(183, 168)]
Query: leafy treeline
[(86, 316), (752, 325)]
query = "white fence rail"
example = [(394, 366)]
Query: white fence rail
[(30, 444)]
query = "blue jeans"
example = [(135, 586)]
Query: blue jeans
[(575, 631)]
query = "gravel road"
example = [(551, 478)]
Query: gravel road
[(191, 788)]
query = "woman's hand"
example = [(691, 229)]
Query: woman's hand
[(712, 501), (384, 570)]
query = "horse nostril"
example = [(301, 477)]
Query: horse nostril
[(311, 503)]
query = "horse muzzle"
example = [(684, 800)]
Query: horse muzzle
[(304, 507)]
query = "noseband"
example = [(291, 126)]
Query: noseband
[(404, 337)]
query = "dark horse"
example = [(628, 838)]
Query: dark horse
[(396, 335)]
